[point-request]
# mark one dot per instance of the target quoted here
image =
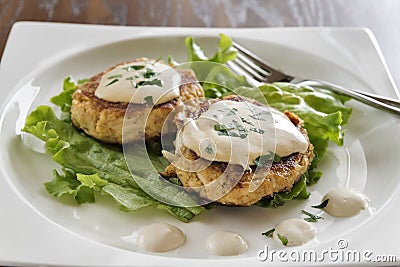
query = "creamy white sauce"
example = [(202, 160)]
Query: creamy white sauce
[(140, 82), (226, 243), (240, 132), (160, 237), (296, 231), (345, 202)]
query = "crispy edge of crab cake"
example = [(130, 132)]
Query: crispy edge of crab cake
[(278, 177), (104, 120)]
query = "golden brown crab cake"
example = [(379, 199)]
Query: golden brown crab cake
[(104, 120), (277, 177)]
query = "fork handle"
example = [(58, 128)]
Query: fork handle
[(379, 102), (386, 100)]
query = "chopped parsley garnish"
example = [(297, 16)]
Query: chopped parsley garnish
[(277, 158), (209, 149), (242, 131), (222, 129), (134, 84), (311, 217), (134, 67), (247, 121), (151, 82), (156, 61), (114, 76), (112, 82), (131, 78), (267, 158), (149, 100), (257, 118), (233, 111), (269, 232), (263, 112), (149, 73), (237, 130), (223, 109), (283, 239), (175, 181), (322, 205), (257, 130)]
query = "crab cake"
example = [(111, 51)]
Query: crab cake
[(249, 172), (145, 90)]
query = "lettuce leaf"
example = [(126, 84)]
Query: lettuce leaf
[(215, 77), (298, 191), (64, 100), (90, 166), (225, 51)]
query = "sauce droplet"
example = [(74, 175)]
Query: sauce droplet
[(160, 237), (345, 202), (294, 232), (226, 243)]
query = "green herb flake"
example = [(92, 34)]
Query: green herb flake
[(134, 84), (242, 131), (262, 160), (149, 73), (263, 112), (149, 100), (175, 181), (257, 118), (277, 158), (157, 60), (134, 67), (233, 111), (112, 82), (322, 205), (222, 129), (151, 82), (311, 217), (114, 76), (283, 239), (209, 149), (269, 232), (246, 121), (257, 130), (267, 158)]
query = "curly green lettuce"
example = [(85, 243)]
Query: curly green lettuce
[(90, 166)]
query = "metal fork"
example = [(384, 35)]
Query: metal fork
[(257, 71)]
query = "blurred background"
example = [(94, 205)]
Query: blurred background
[(381, 16)]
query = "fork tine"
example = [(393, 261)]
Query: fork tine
[(245, 61), (274, 75), (244, 69), (241, 71)]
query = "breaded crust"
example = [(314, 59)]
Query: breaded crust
[(104, 120), (278, 177)]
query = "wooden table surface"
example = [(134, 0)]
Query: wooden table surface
[(381, 16)]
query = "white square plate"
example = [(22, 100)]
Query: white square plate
[(36, 229)]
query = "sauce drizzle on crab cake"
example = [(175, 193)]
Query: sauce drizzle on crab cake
[(282, 167), (99, 105)]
